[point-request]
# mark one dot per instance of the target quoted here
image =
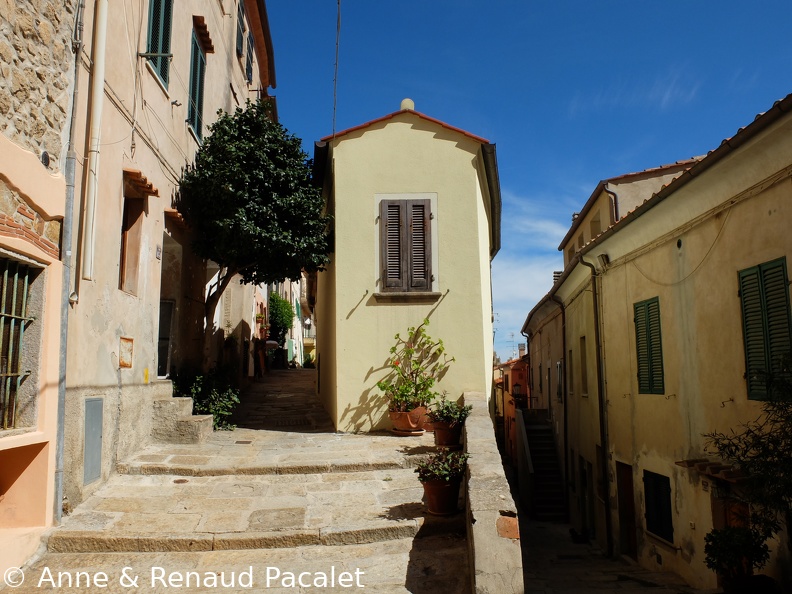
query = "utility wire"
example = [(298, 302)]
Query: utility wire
[(335, 74)]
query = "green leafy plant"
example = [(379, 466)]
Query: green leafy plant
[(416, 363), (448, 411), (734, 552), (445, 465), (212, 394), (251, 206), (281, 317), (308, 362)]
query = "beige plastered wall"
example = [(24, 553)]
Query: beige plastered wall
[(143, 128), (404, 156), (741, 212)]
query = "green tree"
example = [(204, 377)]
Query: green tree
[(281, 318), (251, 205)]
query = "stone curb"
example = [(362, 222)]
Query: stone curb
[(90, 541)]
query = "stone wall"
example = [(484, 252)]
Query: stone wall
[(17, 218), (493, 536), (35, 74)]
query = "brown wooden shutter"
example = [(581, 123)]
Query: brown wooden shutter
[(391, 241), (420, 245), (405, 244)]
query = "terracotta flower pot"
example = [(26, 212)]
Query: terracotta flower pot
[(447, 435), (408, 423), (442, 497)]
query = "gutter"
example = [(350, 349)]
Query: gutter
[(95, 130), (603, 425), (66, 253), (493, 185)]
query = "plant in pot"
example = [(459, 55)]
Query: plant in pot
[(448, 418), (733, 553), (441, 476), (415, 364)]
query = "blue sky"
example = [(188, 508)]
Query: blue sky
[(570, 91)]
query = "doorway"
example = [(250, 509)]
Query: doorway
[(628, 540)]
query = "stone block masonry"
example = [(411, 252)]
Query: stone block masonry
[(18, 219), (35, 74)]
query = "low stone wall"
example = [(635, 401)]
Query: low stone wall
[(493, 536)]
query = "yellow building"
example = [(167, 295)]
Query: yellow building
[(386, 277), (664, 302)]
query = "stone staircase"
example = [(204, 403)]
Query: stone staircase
[(174, 422), (548, 495), (307, 500)]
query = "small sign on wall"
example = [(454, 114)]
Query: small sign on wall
[(125, 350)]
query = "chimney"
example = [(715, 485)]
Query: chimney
[(521, 349), (556, 275)]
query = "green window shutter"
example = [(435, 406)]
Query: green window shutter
[(197, 75), (649, 347), (240, 34), (159, 34), (249, 59), (764, 292)]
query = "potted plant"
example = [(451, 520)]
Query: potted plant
[(448, 418), (415, 364), (733, 553), (441, 476)]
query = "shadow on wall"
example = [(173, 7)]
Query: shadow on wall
[(371, 410)]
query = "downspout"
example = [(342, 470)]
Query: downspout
[(603, 426), (560, 303), (66, 253), (95, 131), (615, 209)]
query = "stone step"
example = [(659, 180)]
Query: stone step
[(425, 563), (175, 423), (164, 513)]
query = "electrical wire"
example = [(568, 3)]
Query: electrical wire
[(692, 272), (335, 73)]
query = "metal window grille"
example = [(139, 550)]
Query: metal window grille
[(14, 319)]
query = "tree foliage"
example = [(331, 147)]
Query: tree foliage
[(251, 206), (281, 318), (762, 450), (250, 202)]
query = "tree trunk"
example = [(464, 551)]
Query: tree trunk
[(210, 307)]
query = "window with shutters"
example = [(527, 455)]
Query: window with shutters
[(197, 74), (159, 35), (240, 32), (649, 346), (131, 237), (764, 293), (405, 245), (657, 505), (249, 59)]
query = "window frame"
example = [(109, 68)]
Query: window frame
[(159, 40), (196, 90), (240, 29), (132, 216), (650, 369), (767, 328), (658, 509), (249, 59), (407, 244)]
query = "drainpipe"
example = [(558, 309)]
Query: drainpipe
[(560, 303), (615, 209), (95, 130), (66, 253), (603, 426)]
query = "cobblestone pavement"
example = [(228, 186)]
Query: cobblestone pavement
[(253, 509), (556, 565)]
